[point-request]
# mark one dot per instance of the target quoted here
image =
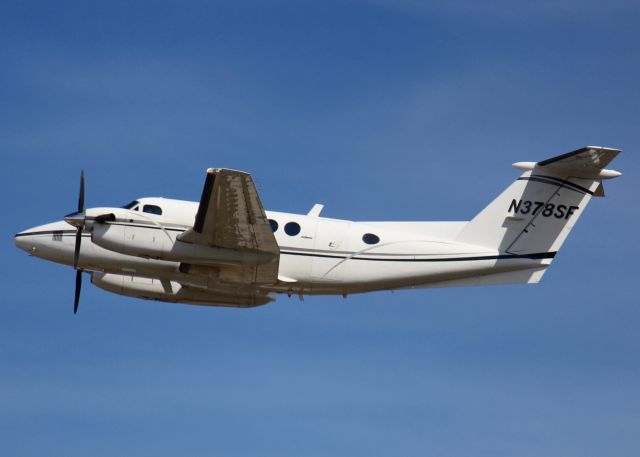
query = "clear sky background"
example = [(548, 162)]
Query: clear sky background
[(380, 109)]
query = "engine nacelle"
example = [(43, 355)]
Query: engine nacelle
[(157, 242), (171, 291)]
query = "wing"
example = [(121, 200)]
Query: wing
[(231, 216)]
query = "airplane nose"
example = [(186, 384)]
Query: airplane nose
[(24, 240)]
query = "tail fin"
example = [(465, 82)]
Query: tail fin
[(535, 214)]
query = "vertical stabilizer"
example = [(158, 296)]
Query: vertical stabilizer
[(535, 214)]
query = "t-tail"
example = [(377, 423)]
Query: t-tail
[(534, 215)]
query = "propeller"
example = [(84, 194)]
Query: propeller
[(78, 219)]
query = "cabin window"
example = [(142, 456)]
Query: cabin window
[(274, 225), (292, 228), (370, 238), (152, 209), (131, 205)]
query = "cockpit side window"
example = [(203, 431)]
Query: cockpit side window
[(131, 205), (152, 209)]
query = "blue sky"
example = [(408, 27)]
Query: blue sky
[(380, 109)]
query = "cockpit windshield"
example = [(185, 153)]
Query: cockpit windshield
[(131, 205)]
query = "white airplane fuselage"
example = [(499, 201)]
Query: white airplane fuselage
[(327, 256)]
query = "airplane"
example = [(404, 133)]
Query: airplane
[(226, 250)]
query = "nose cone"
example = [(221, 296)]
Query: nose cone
[(44, 240), (24, 240)]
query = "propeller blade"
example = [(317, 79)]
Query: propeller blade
[(76, 252), (76, 300), (81, 196)]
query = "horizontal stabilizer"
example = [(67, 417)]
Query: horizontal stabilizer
[(588, 163)]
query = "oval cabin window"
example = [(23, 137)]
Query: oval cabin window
[(370, 238), (292, 228)]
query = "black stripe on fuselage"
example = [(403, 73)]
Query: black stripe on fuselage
[(56, 232), (555, 182), (46, 232), (313, 253), (127, 224), (533, 256), (149, 226)]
